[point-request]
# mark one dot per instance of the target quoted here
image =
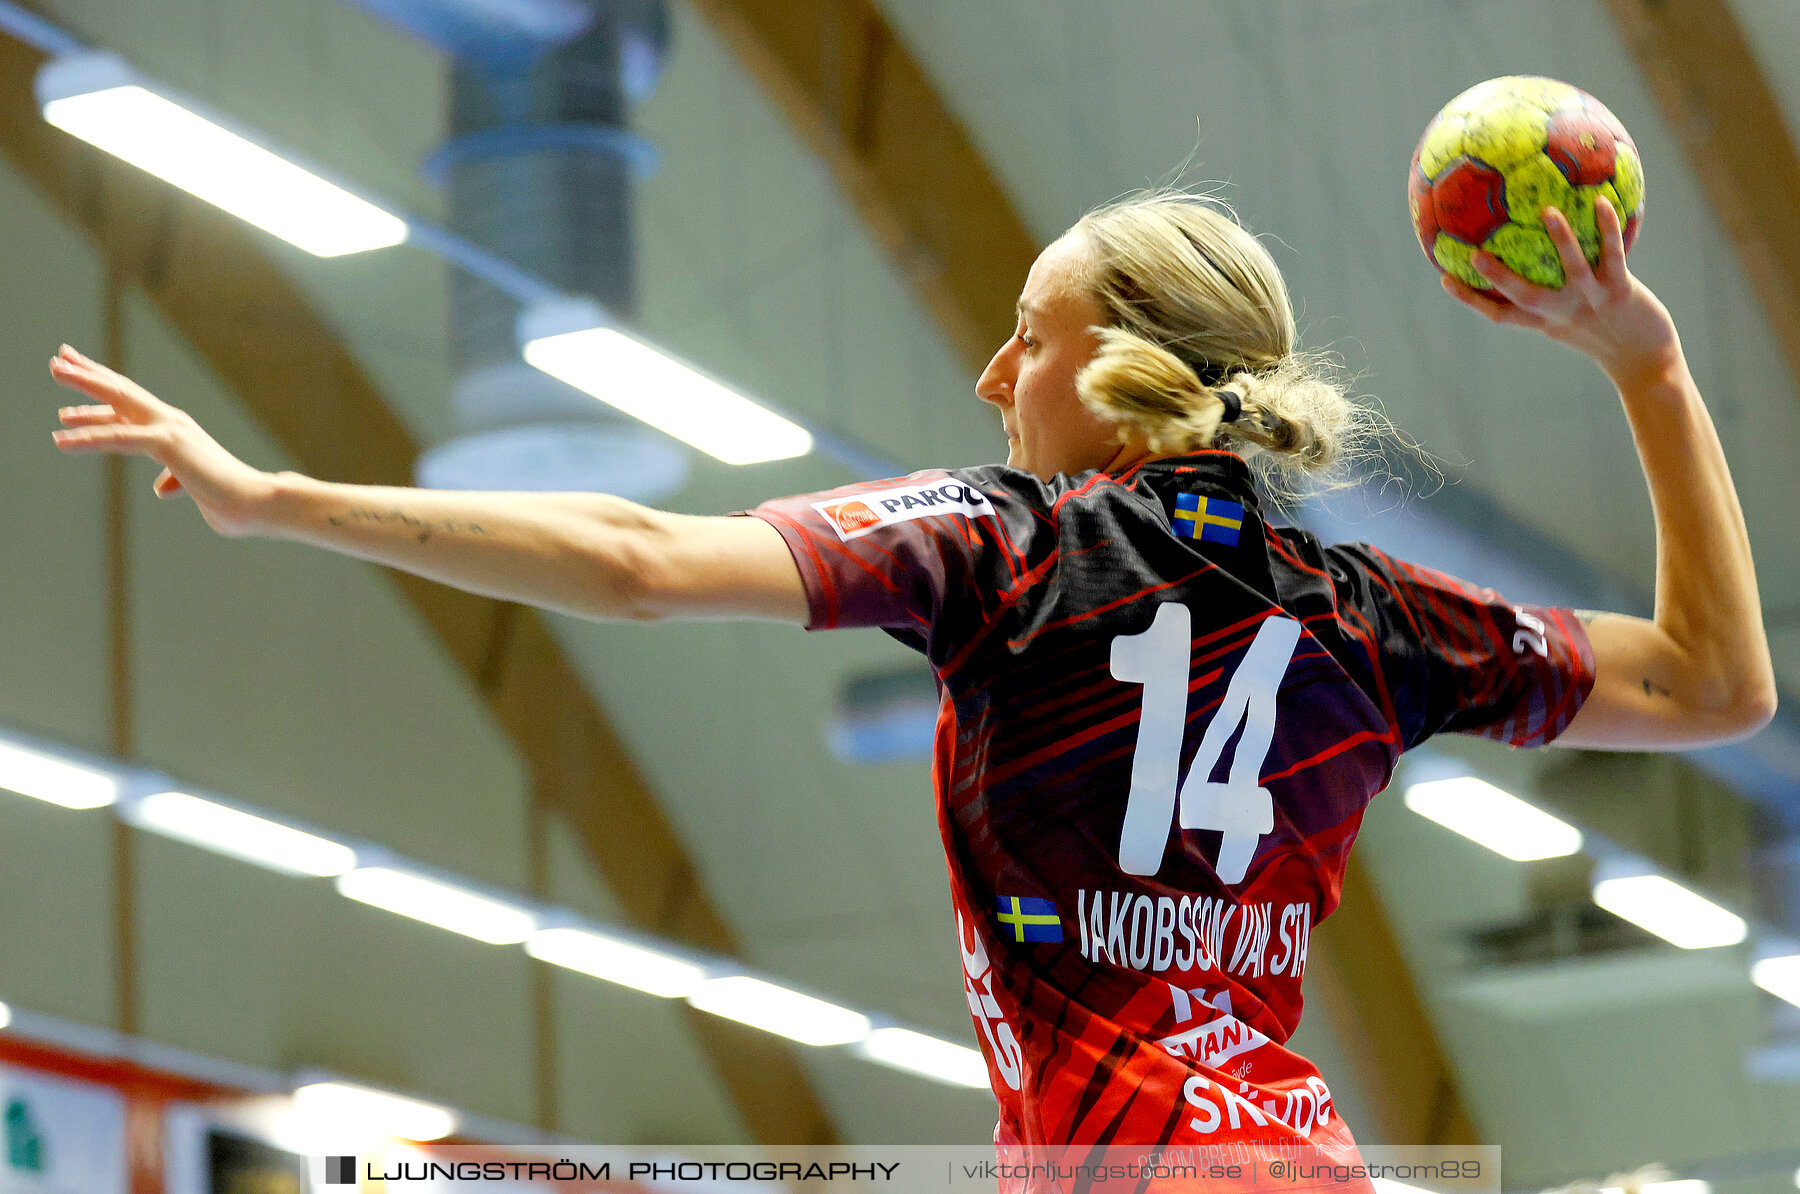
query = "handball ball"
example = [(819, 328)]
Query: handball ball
[(1501, 152)]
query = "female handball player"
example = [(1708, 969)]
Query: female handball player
[(1161, 715)]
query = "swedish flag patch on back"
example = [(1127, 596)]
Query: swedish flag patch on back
[(1210, 519)]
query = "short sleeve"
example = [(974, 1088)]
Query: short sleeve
[(927, 555), (1459, 658)]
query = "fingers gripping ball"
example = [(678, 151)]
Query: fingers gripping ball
[(1501, 152)]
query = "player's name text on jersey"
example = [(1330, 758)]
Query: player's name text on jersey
[(1193, 933), (854, 517)]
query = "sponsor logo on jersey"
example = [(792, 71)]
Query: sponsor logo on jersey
[(1026, 918), (1304, 1107), (1003, 1048), (1215, 1042), (1209, 519), (853, 517)]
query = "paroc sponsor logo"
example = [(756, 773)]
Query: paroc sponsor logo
[(853, 517)]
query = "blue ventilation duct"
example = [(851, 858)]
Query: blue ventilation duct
[(487, 30), (539, 172)]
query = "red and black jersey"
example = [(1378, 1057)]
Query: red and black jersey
[(1161, 720)]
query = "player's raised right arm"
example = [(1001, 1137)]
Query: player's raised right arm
[(1699, 671)]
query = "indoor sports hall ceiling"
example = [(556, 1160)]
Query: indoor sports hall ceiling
[(300, 683)]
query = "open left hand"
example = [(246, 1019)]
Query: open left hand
[(126, 419), (1601, 310)]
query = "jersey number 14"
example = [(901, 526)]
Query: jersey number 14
[(1241, 808)]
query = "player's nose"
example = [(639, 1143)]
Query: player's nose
[(996, 381)]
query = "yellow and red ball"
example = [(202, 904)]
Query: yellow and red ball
[(1503, 150)]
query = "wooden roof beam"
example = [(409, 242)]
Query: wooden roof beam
[(848, 86), (1705, 78), (1372, 1003)]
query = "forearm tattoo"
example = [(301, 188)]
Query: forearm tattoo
[(423, 528)]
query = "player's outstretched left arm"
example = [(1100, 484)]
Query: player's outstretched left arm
[(1699, 671), (587, 554)]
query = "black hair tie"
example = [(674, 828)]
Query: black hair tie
[(1234, 405)]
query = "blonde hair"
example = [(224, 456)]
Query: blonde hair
[(1195, 305)]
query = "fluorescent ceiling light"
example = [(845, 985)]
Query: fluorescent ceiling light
[(1670, 911), (374, 1110), (440, 904), (1691, 1185), (667, 394), (46, 777), (776, 1009), (5, 1015), (100, 99), (241, 835), (917, 1053), (616, 961), (1495, 819), (1780, 977)]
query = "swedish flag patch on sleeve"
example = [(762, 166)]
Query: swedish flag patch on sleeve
[(1210, 519)]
